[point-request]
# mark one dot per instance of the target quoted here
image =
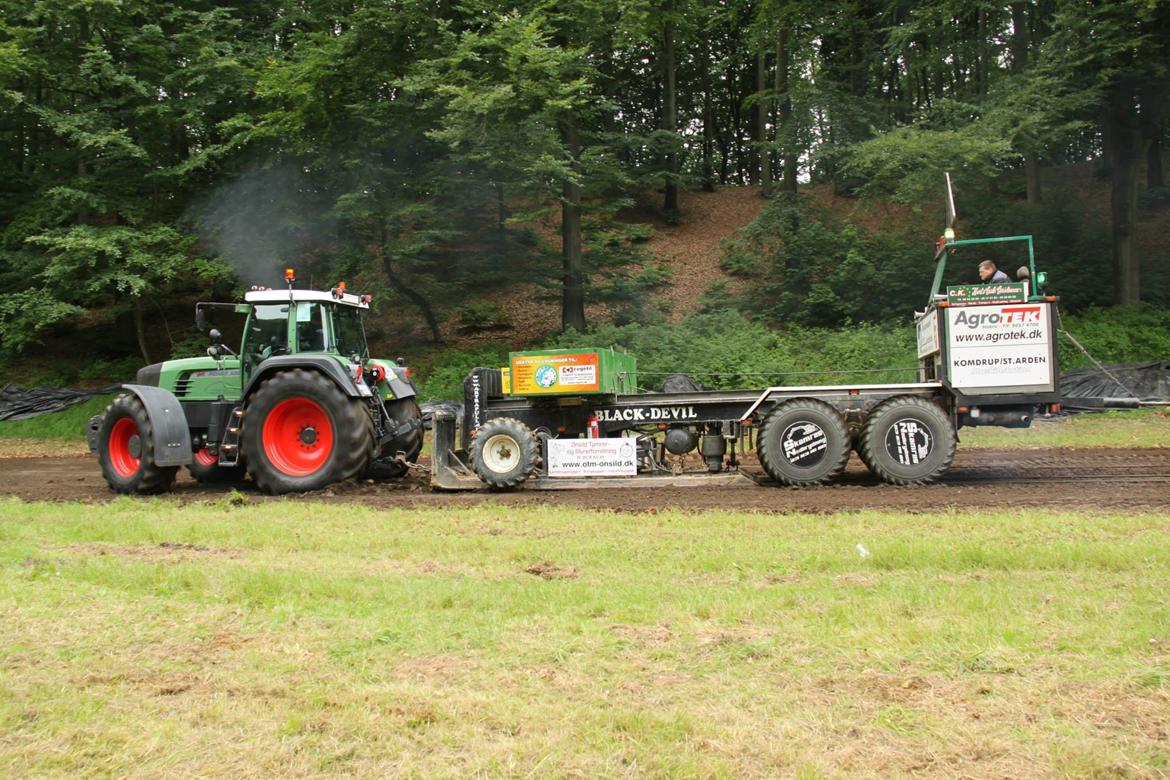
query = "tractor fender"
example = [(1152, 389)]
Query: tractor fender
[(172, 437), (402, 388), (319, 363)]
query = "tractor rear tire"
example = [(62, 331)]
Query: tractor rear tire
[(301, 432), (126, 449), (803, 442), (205, 469), (908, 441), (386, 466), (505, 452)]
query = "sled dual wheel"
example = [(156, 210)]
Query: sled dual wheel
[(803, 442), (860, 450), (504, 452), (301, 432), (908, 441), (387, 465), (126, 449), (205, 468)]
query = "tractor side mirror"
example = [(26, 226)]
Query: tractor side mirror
[(200, 319), (215, 336)]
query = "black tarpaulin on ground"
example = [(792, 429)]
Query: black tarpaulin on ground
[(18, 403), (1087, 387)]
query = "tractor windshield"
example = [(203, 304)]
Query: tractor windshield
[(348, 336)]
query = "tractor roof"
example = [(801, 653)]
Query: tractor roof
[(283, 296)]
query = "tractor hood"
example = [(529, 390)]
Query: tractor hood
[(148, 375)]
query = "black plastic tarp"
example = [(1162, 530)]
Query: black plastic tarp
[(18, 403), (1089, 388)]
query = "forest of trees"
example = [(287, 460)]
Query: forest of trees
[(155, 148)]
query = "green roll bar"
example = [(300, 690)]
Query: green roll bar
[(945, 249)]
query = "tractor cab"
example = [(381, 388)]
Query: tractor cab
[(296, 322), (288, 322)]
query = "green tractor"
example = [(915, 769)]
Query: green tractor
[(301, 405)]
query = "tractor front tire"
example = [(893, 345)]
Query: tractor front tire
[(205, 469), (301, 433), (126, 449), (803, 442), (386, 466), (908, 441), (504, 453)]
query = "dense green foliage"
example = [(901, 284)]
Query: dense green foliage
[(809, 268), (1132, 334), (154, 152)]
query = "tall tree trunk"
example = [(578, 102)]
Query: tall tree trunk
[(573, 272), (1155, 176), (981, 50), (858, 68), (1123, 155), (708, 118), (399, 286), (501, 212), (1032, 178), (140, 330), (670, 111), (735, 109), (1020, 42), (784, 132), (761, 114)]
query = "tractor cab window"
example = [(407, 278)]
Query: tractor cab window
[(348, 336), (267, 333), (311, 327)]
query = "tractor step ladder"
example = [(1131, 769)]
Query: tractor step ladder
[(229, 448)]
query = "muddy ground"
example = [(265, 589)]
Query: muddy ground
[(1114, 479)]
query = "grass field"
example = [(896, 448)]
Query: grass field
[(1129, 428), (299, 639)]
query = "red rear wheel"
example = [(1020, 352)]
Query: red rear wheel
[(297, 437), (204, 458), (125, 447), (302, 432)]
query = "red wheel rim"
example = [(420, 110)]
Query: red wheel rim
[(204, 458), (297, 437), (123, 433)]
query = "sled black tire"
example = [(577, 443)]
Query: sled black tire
[(126, 449), (908, 441), (301, 432), (386, 466), (860, 451), (505, 452), (819, 442)]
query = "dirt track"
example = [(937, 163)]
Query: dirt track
[(1116, 479)]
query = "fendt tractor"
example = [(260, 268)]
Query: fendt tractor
[(574, 418), (300, 406)]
